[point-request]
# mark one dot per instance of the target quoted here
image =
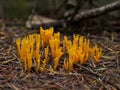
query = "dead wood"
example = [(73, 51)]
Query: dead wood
[(82, 15), (97, 11)]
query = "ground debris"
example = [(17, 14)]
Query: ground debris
[(104, 75)]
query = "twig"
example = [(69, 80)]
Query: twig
[(118, 64), (76, 9), (33, 10), (102, 83), (100, 77), (97, 11), (114, 85), (90, 71), (1, 49), (9, 60), (62, 5), (108, 57), (64, 74)]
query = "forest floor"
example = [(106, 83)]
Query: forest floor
[(104, 75)]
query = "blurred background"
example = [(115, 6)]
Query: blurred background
[(23, 8)]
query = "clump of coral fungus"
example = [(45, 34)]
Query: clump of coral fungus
[(44, 51)]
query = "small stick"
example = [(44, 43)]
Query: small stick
[(9, 60)]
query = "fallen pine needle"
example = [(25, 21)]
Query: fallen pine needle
[(107, 57), (9, 60)]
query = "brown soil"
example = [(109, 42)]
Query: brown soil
[(104, 75)]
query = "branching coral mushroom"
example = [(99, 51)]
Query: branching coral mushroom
[(78, 51)]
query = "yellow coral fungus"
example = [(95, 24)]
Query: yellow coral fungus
[(34, 51), (59, 53), (56, 61), (38, 60), (43, 67), (57, 35), (75, 40), (46, 52), (66, 64), (29, 61), (46, 35), (66, 43), (54, 45), (97, 53)]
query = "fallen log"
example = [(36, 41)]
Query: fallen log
[(98, 11), (38, 21)]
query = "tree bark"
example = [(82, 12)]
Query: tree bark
[(97, 11)]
